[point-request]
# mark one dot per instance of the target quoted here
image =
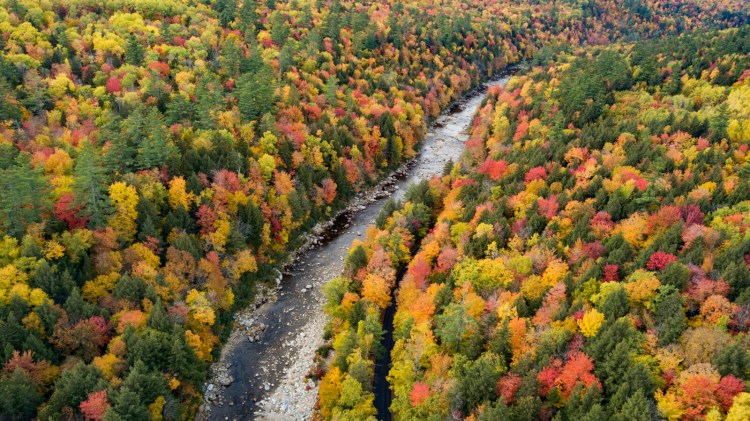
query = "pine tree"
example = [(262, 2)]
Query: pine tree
[(255, 93), (477, 380), (669, 315), (158, 318), (734, 360), (134, 51), (78, 309), (10, 109), (23, 196), (72, 388), (90, 186), (207, 100), (248, 18), (636, 408), (12, 333), (183, 359), (154, 147), (19, 397), (226, 10), (128, 406), (279, 29), (146, 384)]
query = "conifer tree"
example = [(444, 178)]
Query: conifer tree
[(23, 196), (90, 186)]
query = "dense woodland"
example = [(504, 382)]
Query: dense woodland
[(160, 158), (587, 259)]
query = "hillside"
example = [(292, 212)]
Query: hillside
[(587, 259)]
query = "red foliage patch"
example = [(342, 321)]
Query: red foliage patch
[(493, 169), (611, 273), (419, 392), (508, 386), (114, 85), (536, 173), (660, 260)]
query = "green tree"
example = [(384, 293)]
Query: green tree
[(24, 196), (255, 93), (158, 318), (669, 315), (72, 388), (477, 380), (19, 397), (154, 147), (128, 406), (248, 17), (90, 186), (279, 29), (636, 408), (453, 325), (226, 10), (10, 109), (134, 51), (734, 360)]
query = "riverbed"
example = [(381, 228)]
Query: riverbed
[(262, 371)]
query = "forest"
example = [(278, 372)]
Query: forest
[(587, 258), (159, 159)]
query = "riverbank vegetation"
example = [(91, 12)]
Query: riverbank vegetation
[(158, 158), (588, 257)]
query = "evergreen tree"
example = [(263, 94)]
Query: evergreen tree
[(226, 10), (10, 109), (147, 385), (23, 196), (72, 388), (255, 93), (734, 360), (77, 308), (477, 380), (128, 406), (48, 279), (669, 315), (158, 318), (248, 17), (183, 359), (90, 186), (134, 51), (12, 334), (636, 408), (19, 397), (279, 29), (207, 100), (154, 147)]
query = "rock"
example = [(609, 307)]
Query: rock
[(308, 286), (304, 290), (225, 380)]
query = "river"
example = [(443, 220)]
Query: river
[(268, 375)]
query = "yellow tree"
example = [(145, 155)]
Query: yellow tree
[(376, 290), (125, 199), (178, 195), (591, 322)]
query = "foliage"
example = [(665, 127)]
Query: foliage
[(592, 245)]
